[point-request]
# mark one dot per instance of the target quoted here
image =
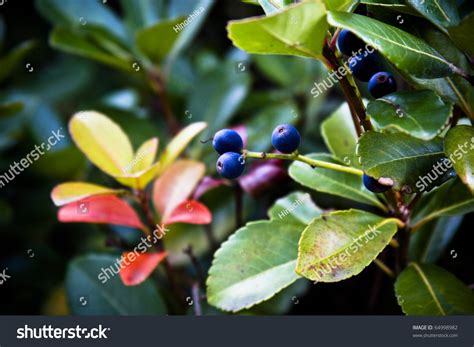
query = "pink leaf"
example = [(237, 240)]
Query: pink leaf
[(140, 266), (106, 209), (191, 212), (207, 183)]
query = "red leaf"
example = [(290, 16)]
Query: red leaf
[(140, 266), (207, 183), (191, 212), (100, 209)]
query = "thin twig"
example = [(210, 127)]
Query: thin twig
[(197, 267), (196, 299), (384, 268)]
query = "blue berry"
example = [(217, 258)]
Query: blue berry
[(374, 185), (364, 66), (230, 165), (381, 84), (348, 43), (227, 140), (286, 138)]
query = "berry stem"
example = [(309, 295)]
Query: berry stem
[(298, 157), (384, 268)]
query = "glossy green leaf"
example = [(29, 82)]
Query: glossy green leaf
[(142, 14), (224, 89), (407, 52), (421, 114), (93, 43), (428, 290), (341, 5), (92, 291), (253, 265), (341, 244), (332, 182), (157, 40), (459, 146), (273, 6), (429, 243), (441, 13), (72, 13), (462, 34), (340, 135), (10, 61), (394, 5), (296, 207), (299, 30), (451, 199), (399, 157)]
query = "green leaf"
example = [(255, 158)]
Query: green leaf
[(102, 296), (332, 182), (223, 90), (429, 243), (340, 135), (9, 62), (462, 34), (299, 30), (451, 199), (399, 157), (10, 108), (407, 52), (69, 13), (428, 290), (141, 14), (253, 265), (421, 114), (157, 41), (459, 145), (440, 13), (93, 43), (395, 5), (296, 207), (273, 6), (341, 5), (340, 244)]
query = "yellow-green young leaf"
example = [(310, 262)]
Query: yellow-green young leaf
[(341, 244), (273, 6), (179, 143), (68, 192), (102, 141), (156, 41), (341, 5), (298, 30), (175, 185), (253, 265), (428, 290), (144, 156), (296, 207), (459, 147), (405, 51)]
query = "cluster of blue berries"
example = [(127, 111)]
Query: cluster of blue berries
[(229, 145), (366, 67)]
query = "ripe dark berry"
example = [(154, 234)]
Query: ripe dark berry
[(286, 138), (227, 140), (375, 186), (364, 66), (381, 84), (348, 43), (230, 165)]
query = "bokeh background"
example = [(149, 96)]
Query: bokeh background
[(42, 86)]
